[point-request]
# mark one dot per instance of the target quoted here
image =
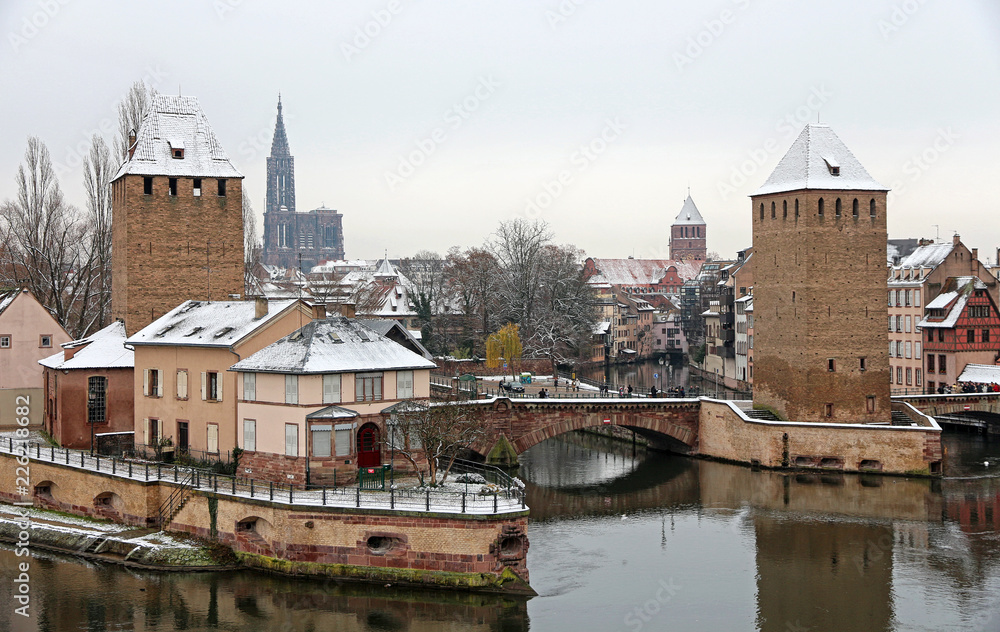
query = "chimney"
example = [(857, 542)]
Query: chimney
[(260, 307), (346, 309), (957, 239), (975, 253), (319, 311), (131, 143)]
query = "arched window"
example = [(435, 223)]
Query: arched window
[(772, 210), (796, 208), (836, 210), (762, 210), (854, 210), (784, 209), (819, 207), (871, 209)]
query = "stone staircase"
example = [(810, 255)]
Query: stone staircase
[(761, 414)]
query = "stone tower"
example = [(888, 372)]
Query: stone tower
[(177, 216), (819, 238), (291, 238), (687, 234)]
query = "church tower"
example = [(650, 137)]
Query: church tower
[(820, 309), (177, 216), (687, 234), (280, 170)]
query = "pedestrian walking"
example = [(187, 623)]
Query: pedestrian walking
[(630, 390)]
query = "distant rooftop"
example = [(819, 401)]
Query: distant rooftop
[(104, 349), (207, 324), (689, 214)]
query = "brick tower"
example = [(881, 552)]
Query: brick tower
[(687, 234), (177, 216), (295, 238), (819, 238)]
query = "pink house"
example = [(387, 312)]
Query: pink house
[(28, 333), (311, 403)]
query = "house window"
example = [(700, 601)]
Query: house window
[(197, 187), (907, 321), (367, 387), (45, 341), (97, 388), (147, 186), (906, 296), (331, 388), (930, 363), (291, 439), (916, 298), (291, 389), (222, 188), (249, 386), (940, 335), (182, 384), (916, 350), (970, 336), (211, 386), (212, 438), (917, 376), (942, 364), (321, 439), (152, 383), (899, 375), (909, 351), (151, 431), (986, 335), (250, 435), (404, 384), (909, 376), (5, 341), (172, 186), (930, 335)]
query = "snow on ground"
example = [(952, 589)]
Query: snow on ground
[(10, 512)]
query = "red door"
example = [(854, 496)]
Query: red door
[(369, 453)]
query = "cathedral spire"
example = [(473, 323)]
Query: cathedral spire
[(279, 146)]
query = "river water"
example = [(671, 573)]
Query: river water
[(622, 540)]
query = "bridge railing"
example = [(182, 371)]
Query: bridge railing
[(496, 502)]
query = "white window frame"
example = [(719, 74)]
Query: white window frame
[(291, 389), (249, 386), (291, 439), (205, 394), (212, 438), (404, 384), (331, 388), (250, 435), (148, 377), (182, 384), (326, 429)]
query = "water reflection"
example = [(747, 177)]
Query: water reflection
[(624, 540)]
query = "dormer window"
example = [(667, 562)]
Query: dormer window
[(832, 165), (176, 149), (197, 187), (177, 153)]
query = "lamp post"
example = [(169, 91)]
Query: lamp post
[(661, 373), (392, 449), (717, 384), (91, 396)]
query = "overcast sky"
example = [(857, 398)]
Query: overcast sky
[(427, 122)]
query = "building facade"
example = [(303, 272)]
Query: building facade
[(177, 216), (688, 234), (294, 239), (819, 237)]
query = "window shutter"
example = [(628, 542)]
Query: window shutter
[(145, 383), (159, 382), (213, 438), (204, 386), (145, 430), (218, 386)]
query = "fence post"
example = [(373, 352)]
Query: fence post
[(357, 500), (67, 456), (428, 505), (98, 462), (290, 491), (270, 490), (234, 484), (130, 469), (159, 474), (392, 497), (324, 495), (251, 488), (463, 502), (175, 473), (494, 502), (113, 466), (147, 471), (52, 454)]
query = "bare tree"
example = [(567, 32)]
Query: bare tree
[(251, 248), (431, 436), (131, 111), (518, 247), (98, 170), (44, 242), (472, 278)]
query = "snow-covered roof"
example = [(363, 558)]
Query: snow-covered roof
[(208, 324), (385, 269), (812, 162), (953, 297), (104, 349), (7, 298), (928, 256), (335, 345), (689, 214), (602, 328), (388, 327), (178, 122), (640, 271), (980, 373), (333, 412)]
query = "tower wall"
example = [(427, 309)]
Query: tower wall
[(688, 247), (162, 244), (820, 295)]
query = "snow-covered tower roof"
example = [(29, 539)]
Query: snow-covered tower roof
[(176, 139), (689, 214), (818, 159)]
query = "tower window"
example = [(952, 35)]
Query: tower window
[(828, 410), (772, 210), (831, 365), (796, 208), (870, 403), (762, 210), (197, 187), (222, 188), (173, 186), (871, 209), (855, 209), (784, 209), (819, 207), (147, 185), (836, 209), (863, 362)]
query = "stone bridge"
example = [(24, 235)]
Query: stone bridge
[(518, 424), (970, 410)]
